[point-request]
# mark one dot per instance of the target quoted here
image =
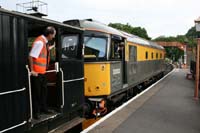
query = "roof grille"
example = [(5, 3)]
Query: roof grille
[(36, 8)]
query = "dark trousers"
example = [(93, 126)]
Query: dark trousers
[(39, 93)]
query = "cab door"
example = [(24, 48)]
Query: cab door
[(71, 69)]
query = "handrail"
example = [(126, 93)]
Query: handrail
[(71, 80), (50, 71), (66, 81), (30, 94), (63, 97), (56, 68), (14, 91), (10, 128)]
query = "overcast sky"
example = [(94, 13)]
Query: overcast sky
[(158, 17)]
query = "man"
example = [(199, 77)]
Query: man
[(120, 50), (39, 60)]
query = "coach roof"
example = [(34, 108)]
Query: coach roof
[(141, 41)]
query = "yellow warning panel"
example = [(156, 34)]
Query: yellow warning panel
[(97, 79)]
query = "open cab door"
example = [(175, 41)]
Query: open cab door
[(71, 70)]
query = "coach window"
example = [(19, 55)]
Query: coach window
[(152, 55), (133, 53), (146, 55), (156, 55), (160, 55)]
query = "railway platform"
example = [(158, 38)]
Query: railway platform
[(167, 106)]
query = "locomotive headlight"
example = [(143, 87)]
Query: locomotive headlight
[(197, 24)]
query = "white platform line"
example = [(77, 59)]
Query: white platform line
[(123, 105)]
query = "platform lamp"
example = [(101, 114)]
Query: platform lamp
[(196, 92)]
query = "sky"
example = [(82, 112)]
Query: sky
[(158, 17)]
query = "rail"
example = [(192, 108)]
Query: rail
[(10, 128), (72, 80), (30, 94), (14, 91), (63, 98)]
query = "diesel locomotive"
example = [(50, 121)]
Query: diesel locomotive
[(115, 64)]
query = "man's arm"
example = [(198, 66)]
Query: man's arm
[(34, 53), (31, 66)]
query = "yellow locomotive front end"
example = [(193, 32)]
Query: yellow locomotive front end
[(102, 78), (103, 65), (97, 79)]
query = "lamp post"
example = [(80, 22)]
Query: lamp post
[(196, 91)]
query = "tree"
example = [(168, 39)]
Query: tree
[(189, 39), (192, 34), (173, 53), (141, 32)]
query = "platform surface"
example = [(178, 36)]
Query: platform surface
[(168, 107)]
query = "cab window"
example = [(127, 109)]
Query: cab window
[(117, 50), (69, 46), (95, 47)]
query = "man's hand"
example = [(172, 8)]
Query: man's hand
[(50, 47), (33, 73)]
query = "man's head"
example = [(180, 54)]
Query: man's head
[(121, 46), (50, 33)]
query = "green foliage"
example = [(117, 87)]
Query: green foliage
[(141, 32), (189, 39), (179, 38), (173, 53), (192, 35)]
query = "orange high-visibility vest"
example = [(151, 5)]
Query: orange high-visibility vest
[(40, 63)]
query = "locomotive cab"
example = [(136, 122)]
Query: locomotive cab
[(104, 63)]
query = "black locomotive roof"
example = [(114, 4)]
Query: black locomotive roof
[(89, 24), (141, 41), (44, 20)]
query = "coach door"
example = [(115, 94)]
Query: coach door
[(13, 74), (71, 72)]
